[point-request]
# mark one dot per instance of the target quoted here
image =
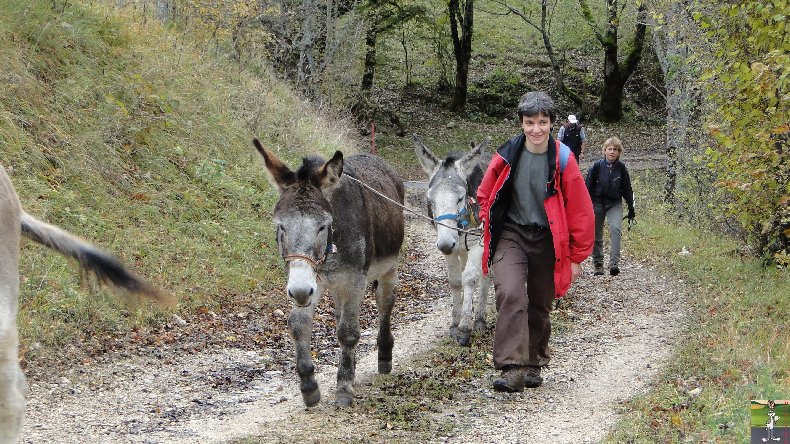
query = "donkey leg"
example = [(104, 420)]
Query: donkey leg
[(12, 381), (469, 280), (483, 283), (12, 385), (300, 323), (454, 271), (348, 337), (385, 301), (482, 304)]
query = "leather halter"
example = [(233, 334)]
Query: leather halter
[(314, 264)]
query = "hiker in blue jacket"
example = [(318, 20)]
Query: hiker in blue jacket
[(609, 183)]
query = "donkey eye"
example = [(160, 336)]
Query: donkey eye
[(321, 228), (460, 199)]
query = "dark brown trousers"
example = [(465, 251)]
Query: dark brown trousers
[(524, 255)]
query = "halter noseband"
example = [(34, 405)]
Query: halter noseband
[(314, 264), (462, 218)]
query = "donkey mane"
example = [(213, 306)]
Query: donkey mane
[(450, 160), (309, 166)]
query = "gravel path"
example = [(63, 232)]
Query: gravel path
[(621, 330)]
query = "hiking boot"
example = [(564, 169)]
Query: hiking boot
[(511, 380), (598, 270), (614, 271), (532, 378)]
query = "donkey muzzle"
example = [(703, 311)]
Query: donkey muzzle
[(302, 285)]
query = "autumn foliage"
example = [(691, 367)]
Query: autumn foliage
[(747, 86)]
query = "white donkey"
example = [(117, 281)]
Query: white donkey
[(14, 223), (451, 204)]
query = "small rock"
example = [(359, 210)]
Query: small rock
[(178, 320), (278, 313), (695, 392)]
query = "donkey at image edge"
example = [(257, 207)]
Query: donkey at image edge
[(336, 235), (15, 223), (452, 188)]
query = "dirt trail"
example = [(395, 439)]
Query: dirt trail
[(621, 331)]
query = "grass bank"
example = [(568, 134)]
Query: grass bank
[(736, 348), (132, 137)]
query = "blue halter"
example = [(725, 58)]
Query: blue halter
[(459, 218)]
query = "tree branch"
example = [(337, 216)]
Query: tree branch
[(588, 17)]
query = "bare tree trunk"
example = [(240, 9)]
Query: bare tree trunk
[(671, 42), (370, 58), (162, 10), (306, 67), (462, 47), (616, 74), (406, 62)]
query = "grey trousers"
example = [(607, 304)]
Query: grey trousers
[(524, 255), (614, 214)]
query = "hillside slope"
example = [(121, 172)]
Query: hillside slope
[(134, 138)]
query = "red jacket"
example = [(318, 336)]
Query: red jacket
[(568, 208)]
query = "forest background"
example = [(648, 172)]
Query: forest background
[(155, 102)]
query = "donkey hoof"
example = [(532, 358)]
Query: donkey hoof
[(454, 332), (464, 338), (344, 400), (311, 396), (311, 399), (385, 367), (480, 325)]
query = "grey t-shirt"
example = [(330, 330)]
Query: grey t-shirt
[(529, 189)]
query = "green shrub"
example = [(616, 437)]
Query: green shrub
[(748, 91)]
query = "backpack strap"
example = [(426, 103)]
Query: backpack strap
[(564, 153)]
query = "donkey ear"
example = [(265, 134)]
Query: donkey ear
[(328, 176), (470, 160), (427, 159), (279, 175)]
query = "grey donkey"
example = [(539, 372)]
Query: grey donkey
[(335, 234), (451, 201)]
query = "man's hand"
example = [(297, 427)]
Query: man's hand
[(576, 271)]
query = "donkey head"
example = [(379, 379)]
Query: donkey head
[(448, 189), (303, 217)]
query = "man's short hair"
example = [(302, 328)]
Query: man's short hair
[(534, 103)]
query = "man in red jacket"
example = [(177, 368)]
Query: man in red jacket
[(539, 227)]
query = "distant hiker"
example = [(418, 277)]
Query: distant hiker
[(609, 183), (538, 222), (572, 134)]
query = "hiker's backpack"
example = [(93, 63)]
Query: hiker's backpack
[(572, 136), (563, 153)]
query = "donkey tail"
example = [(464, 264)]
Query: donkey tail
[(105, 266)]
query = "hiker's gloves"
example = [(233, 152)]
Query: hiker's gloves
[(631, 214)]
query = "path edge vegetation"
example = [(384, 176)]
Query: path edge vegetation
[(734, 346)]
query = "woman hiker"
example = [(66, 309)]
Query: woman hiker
[(538, 228), (609, 183)]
